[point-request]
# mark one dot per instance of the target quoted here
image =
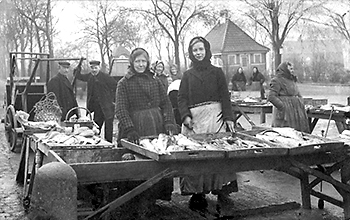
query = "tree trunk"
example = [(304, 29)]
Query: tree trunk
[(177, 53)]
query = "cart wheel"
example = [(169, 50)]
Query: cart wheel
[(320, 204), (10, 125)]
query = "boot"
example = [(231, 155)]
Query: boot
[(198, 203)]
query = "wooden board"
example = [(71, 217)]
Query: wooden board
[(176, 155)]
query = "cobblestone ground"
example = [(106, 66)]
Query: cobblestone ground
[(10, 193)]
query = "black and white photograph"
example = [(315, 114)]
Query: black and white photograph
[(175, 109)]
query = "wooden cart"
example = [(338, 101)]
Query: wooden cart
[(107, 166), (22, 92)]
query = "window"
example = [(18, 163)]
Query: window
[(237, 59), (244, 60), (231, 59), (257, 58)]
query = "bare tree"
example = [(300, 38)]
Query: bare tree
[(173, 16), (39, 14), (278, 17), (107, 27)]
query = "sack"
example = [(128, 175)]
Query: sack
[(47, 109)]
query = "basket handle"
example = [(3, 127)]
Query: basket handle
[(79, 107)]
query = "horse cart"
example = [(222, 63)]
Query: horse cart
[(104, 163), (25, 86)]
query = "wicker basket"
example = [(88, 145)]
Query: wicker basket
[(74, 124)]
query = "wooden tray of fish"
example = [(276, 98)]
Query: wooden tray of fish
[(299, 142), (240, 145), (206, 146), (184, 149)]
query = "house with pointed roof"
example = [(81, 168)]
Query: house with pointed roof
[(233, 48)]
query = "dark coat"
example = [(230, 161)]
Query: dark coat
[(198, 86), (101, 91), (63, 90)]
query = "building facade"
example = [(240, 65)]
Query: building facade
[(233, 48)]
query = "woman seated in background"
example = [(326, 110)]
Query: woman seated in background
[(239, 80)]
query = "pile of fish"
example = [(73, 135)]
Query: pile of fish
[(288, 137), (165, 144), (80, 136)]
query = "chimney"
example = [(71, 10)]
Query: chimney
[(223, 16)]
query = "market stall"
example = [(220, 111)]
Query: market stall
[(242, 107), (340, 114), (156, 157)]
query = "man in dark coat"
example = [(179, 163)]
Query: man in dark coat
[(63, 89), (101, 89)]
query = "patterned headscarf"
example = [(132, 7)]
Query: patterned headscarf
[(206, 61), (135, 53)]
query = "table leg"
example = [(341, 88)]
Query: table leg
[(345, 176), (21, 167), (305, 191), (262, 117), (340, 126)]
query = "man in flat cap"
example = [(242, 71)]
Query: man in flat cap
[(63, 89), (101, 89)]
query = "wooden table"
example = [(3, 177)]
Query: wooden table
[(337, 116), (112, 169), (240, 108)]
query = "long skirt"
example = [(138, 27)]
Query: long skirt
[(149, 122), (294, 114), (207, 118)]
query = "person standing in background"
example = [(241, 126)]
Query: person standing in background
[(239, 80), (101, 89), (174, 72), (258, 77), (158, 69), (63, 89), (288, 105)]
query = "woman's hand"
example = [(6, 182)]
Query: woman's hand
[(231, 126), (188, 122)]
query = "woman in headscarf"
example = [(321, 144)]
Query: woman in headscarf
[(174, 72), (158, 69), (258, 77), (205, 107), (239, 80), (144, 109), (288, 105)]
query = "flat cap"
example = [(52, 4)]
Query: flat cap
[(64, 63), (94, 63)]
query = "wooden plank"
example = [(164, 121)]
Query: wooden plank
[(129, 195), (327, 198)]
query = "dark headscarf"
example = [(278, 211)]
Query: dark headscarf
[(284, 71), (135, 53), (206, 61)]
